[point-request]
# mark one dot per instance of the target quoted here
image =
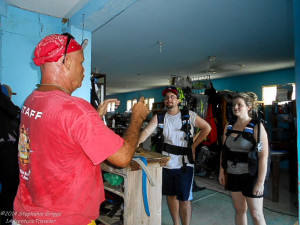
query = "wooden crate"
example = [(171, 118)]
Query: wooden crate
[(134, 210)]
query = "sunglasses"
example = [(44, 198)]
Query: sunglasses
[(173, 97), (70, 36)]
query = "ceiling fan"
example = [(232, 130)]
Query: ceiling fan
[(214, 66)]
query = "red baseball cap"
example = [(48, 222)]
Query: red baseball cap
[(52, 48), (172, 89)]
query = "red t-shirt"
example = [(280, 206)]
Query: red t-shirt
[(62, 143)]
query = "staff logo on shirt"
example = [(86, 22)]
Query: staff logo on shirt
[(24, 146)]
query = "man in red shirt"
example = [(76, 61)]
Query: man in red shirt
[(63, 141)]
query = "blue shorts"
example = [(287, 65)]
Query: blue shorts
[(178, 182), (243, 183)]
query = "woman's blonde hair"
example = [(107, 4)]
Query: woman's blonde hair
[(250, 99)]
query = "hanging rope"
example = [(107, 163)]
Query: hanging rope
[(82, 27)]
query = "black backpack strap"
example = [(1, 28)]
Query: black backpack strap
[(186, 127), (159, 137), (185, 113), (251, 125), (160, 117), (229, 128), (248, 132), (186, 124), (253, 158), (258, 144)]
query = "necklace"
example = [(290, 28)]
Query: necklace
[(55, 85)]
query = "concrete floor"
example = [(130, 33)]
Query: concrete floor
[(213, 206)]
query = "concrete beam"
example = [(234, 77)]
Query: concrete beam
[(97, 13), (3, 8)]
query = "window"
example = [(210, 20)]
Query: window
[(270, 93), (148, 101), (151, 101), (111, 107), (129, 104)]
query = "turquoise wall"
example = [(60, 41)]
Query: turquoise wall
[(253, 82), (21, 31), (151, 93), (85, 90)]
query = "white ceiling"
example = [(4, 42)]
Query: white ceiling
[(142, 43), (56, 8)]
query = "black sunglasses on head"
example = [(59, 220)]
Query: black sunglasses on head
[(70, 36)]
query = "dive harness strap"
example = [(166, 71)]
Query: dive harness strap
[(176, 150), (252, 157), (259, 144)]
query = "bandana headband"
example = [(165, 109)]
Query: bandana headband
[(52, 48)]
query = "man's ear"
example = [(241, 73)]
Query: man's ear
[(68, 61)]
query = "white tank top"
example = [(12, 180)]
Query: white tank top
[(174, 136)]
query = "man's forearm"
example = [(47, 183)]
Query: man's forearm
[(132, 134), (201, 137), (123, 157)]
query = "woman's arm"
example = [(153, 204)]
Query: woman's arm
[(263, 160)]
